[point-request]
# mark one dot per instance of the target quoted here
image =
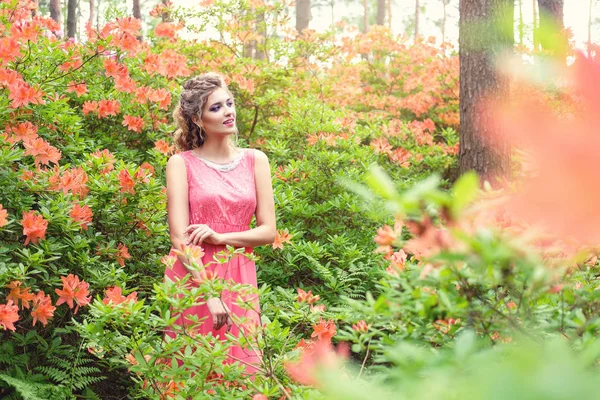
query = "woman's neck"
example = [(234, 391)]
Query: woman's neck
[(217, 150)]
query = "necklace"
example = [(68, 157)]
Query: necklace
[(221, 167)]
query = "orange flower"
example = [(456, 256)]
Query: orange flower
[(42, 151), (108, 107), (34, 226), (281, 237), (163, 146), (321, 355), (122, 254), (9, 314), (81, 216), (79, 88), (21, 94), (9, 50), (167, 30), (24, 131), (89, 106), (386, 236), (307, 297), (3, 215), (17, 294), (127, 183), (361, 326), (133, 123), (324, 330), (42, 308), (563, 196), (74, 180), (115, 296), (73, 290)]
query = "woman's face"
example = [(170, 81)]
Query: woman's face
[(218, 114)]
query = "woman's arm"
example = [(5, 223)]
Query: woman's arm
[(178, 209), (264, 233), (265, 230)]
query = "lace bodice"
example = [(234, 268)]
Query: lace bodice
[(221, 195)]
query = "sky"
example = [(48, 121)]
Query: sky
[(576, 16)]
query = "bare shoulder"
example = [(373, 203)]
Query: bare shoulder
[(176, 161), (260, 157)]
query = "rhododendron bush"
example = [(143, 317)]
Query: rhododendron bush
[(85, 133)]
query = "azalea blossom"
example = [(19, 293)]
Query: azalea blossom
[(42, 308), (3, 216), (19, 294), (34, 226), (9, 314), (73, 291), (281, 237)]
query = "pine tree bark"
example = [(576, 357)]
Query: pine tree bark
[(137, 10), (444, 17), (92, 12), (365, 16), (589, 38), (481, 148), (552, 25), (417, 12), (303, 15), (55, 11), (381, 12), (71, 18)]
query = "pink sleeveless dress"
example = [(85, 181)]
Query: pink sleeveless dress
[(224, 198)]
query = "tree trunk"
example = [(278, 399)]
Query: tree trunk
[(137, 11), (302, 15), (481, 148), (92, 12), (536, 27), (444, 17), (71, 18), (365, 16), (55, 11), (521, 24), (589, 40), (166, 16), (416, 19), (259, 51), (551, 25), (381, 12)]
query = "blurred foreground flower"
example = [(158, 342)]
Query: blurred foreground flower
[(562, 195)]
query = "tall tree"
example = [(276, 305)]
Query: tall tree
[(55, 11), (551, 25), (484, 34), (137, 10), (365, 16), (589, 38), (381, 5), (303, 14), (521, 24), (92, 12), (417, 12), (444, 18), (71, 18), (536, 41)]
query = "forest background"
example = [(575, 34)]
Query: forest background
[(436, 204)]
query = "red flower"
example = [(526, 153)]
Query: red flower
[(133, 123), (73, 290), (42, 308), (81, 215), (115, 296), (3, 215), (324, 330), (127, 183), (281, 237), (122, 254), (9, 314), (34, 226)]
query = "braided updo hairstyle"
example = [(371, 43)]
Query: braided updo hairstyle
[(191, 103)]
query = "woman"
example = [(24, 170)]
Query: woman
[(213, 191)]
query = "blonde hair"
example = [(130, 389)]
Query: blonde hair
[(193, 98)]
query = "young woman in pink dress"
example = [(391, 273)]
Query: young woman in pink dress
[(213, 191)]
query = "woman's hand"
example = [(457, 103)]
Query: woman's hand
[(199, 233), (221, 314)]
